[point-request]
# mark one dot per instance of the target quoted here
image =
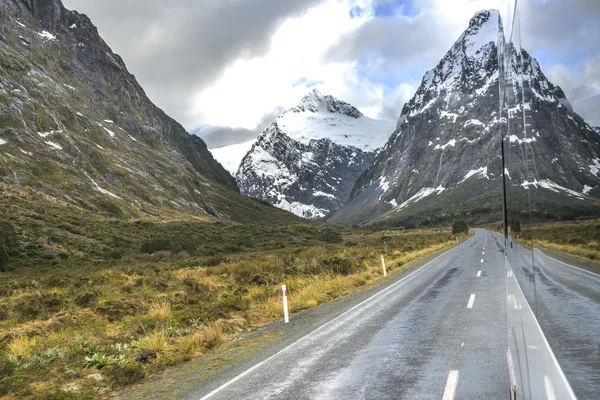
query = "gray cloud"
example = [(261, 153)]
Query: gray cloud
[(220, 136), (398, 43), (556, 28), (175, 48)]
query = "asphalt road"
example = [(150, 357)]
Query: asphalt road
[(567, 300), (438, 333)]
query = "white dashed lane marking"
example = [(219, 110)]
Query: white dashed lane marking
[(451, 384), (471, 301)]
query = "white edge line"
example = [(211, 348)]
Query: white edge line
[(228, 383), (569, 265), (562, 374), (451, 384)]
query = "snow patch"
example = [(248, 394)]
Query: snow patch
[(446, 114), (595, 167), (111, 133), (74, 26), (364, 133), (323, 194), (3, 142), (548, 184), (451, 143), (46, 36), (101, 190), (474, 122), (230, 157), (46, 134), (481, 171), (301, 210), (53, 145), (421, 194), (586, 189), (514, 138)]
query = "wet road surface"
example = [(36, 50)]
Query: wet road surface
[(438, 333), (567, 300)]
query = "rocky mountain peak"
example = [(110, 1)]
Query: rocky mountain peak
[(316, 102), (483, 29)]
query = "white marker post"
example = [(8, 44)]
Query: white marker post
[(286, 316), (383, 265)]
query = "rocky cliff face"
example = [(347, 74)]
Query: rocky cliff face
[(307, 160), (448, 136), (75, 123)]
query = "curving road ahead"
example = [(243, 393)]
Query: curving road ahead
[(438, 333)]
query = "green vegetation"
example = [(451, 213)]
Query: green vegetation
[(90, 303), (459, 227)]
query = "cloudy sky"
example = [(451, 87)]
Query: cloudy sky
[(225, 68)]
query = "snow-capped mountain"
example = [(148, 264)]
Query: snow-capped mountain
[(445, 151), (307, 160)]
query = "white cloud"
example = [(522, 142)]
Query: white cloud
[(577, 83), (251, 87)]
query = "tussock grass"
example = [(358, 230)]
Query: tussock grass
[(161, 310), (149, 312), (156, 342), (579, 238), (21, 348)]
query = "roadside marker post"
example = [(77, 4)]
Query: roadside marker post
[(286, 315), (383, 265)]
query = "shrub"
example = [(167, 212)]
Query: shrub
[(124, 374), (341, 265), (8, 366), (8, 236), (145, 356), (85, 299), (330, 236), (4, 259), (460, 227)]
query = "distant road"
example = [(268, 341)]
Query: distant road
[(438, 333), (568, 310)]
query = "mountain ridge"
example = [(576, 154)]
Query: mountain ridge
[(77, 125)]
